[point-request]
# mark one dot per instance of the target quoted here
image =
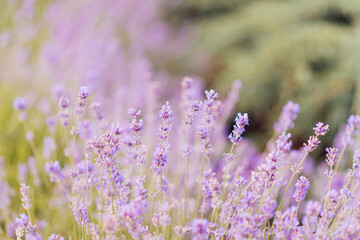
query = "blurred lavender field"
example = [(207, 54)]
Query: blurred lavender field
[(110, 128)]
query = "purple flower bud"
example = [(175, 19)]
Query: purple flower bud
[(24, 190), (283, 144), (199, 229), (321, 129), (64, 102), (301, 187), (288, 115), (110, 224), (80, 213), (312, 144), (56, 237), (239, 128), (161, 219), (331, 156), (134, 113), (352, 128), (54, 170), (83, 92), (211, 96), (19, 104)]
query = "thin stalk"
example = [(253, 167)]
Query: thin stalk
[(152, 204), (112, 184), (340, 157), (198, 199), (161, 196), (186, 169), (226, 172), (101, 192), (74, 138)]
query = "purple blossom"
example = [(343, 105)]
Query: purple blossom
[(161, 219), (283, 143), (80, 213), (288, 115), (211, 96), (191, 111), (268, 207), (56, 237), (301, 187), (351, 129), (19, 104), (24, 190), (199, 229), (239, 128), (110, 224), (321, 129), (80, 101), (54, 170), (24, 222), (331, 156), (312, 144)]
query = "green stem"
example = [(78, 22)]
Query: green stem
[(186, 169), (198, 199), (340, 157)]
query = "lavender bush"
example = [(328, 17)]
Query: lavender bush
[(186, 180)]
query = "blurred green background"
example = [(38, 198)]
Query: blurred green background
[(304, 51)]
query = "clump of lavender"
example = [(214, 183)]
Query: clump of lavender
[(112, 191)]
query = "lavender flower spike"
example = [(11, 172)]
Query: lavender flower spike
[(288, 115), (24, 190), (239, 128), (321, 129), (313, 142), (331, 156), (301, 187), (19, 104), (54, 170)]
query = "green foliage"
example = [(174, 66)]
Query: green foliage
[(305, 51)]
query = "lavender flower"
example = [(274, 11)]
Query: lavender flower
[(19, 104), (54, 170), (80, 102), (301, 187), (191, 111), (56, 237), (321, 129), (161, 219), (199, 229), (110, 224), (162, 149), (283, 143), (288, 115), (239, 128), (80, 213), (24, 190), (331, 156), (351, 129), (312, 144), (64, 104)]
